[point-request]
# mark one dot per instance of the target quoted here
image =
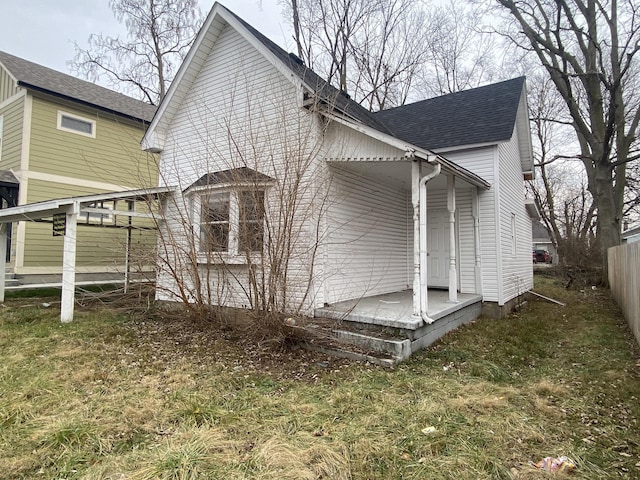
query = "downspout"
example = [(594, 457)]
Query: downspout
[(423, 243), (419, 201)]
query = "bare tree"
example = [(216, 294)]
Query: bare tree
[(589, 50), (369, 48), (460, 55), (388, 53), (159, 33)]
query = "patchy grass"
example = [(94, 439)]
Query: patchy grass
[(112, 396)]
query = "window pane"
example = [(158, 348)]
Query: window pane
[(214, 237), (251, 236), (251, 205), (251, 221), (76, 124), (214, 223), (215, 208)]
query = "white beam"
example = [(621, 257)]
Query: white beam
[(451, 207), (475, 213), (3, 256), (122, 213), (69, 264), (415, 200)]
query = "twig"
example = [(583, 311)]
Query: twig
[(547, 298)]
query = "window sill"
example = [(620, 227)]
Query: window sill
[(227, 259)]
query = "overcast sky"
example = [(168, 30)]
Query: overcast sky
[(44, 31)]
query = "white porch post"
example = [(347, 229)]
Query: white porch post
[(415, 200), (3, 257), (451, 207), (476, 238), (69, 264)]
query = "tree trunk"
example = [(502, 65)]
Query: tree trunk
[(601, 187)]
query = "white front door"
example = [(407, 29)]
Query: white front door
[(438, 248)]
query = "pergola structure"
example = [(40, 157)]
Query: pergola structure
[(66, 214)]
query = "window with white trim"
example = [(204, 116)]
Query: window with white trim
[(69, 122), (231, 221), (513, 234)]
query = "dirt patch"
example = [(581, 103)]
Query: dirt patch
[(170, 339)]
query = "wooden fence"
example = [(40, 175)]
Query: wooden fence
[(624, 279)]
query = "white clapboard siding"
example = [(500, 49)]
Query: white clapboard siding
[(517, 270), (483, 162), (367, 235), (466, 240), (465, 235), (346, 144), (241, 111)]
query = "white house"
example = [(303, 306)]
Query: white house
[(291, 196)]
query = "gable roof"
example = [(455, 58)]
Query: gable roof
[(290, 65), (478, 116), (37, 77)]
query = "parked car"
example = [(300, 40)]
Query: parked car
[(541, 256)]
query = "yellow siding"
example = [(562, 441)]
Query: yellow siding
[(113, 156), (98, 247), (12, 134), (8, 86)]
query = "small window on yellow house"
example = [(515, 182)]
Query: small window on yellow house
[(75, 124)]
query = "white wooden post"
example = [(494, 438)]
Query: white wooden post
[(451, 207), (415, 200), (3, 257), (69, 264), (476, 238), (127, 258)]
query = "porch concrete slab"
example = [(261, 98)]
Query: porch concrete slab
[(395, 309)]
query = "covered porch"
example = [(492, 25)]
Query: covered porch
[(396, 309), (384, 329), (406, 227)]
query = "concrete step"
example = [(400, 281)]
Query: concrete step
[(10, 279), (355, 341)]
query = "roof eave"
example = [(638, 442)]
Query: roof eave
[(82, 102), (531, 208), (428, 155)]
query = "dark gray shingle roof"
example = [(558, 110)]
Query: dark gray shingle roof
[(32, 75), (234, 175), (538, 230), (481, 115)]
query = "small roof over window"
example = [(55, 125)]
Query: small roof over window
[(242, 175)]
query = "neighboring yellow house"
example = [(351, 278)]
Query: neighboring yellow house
[(61, 137)]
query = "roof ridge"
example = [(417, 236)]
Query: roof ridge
[(481, 115), (443, 97)]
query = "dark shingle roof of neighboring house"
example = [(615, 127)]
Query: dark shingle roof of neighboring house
[(539, 231), (480, 115), (43, 79), (329, 94), (8, 178)]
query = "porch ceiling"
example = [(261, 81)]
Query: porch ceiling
[(394, 173)]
